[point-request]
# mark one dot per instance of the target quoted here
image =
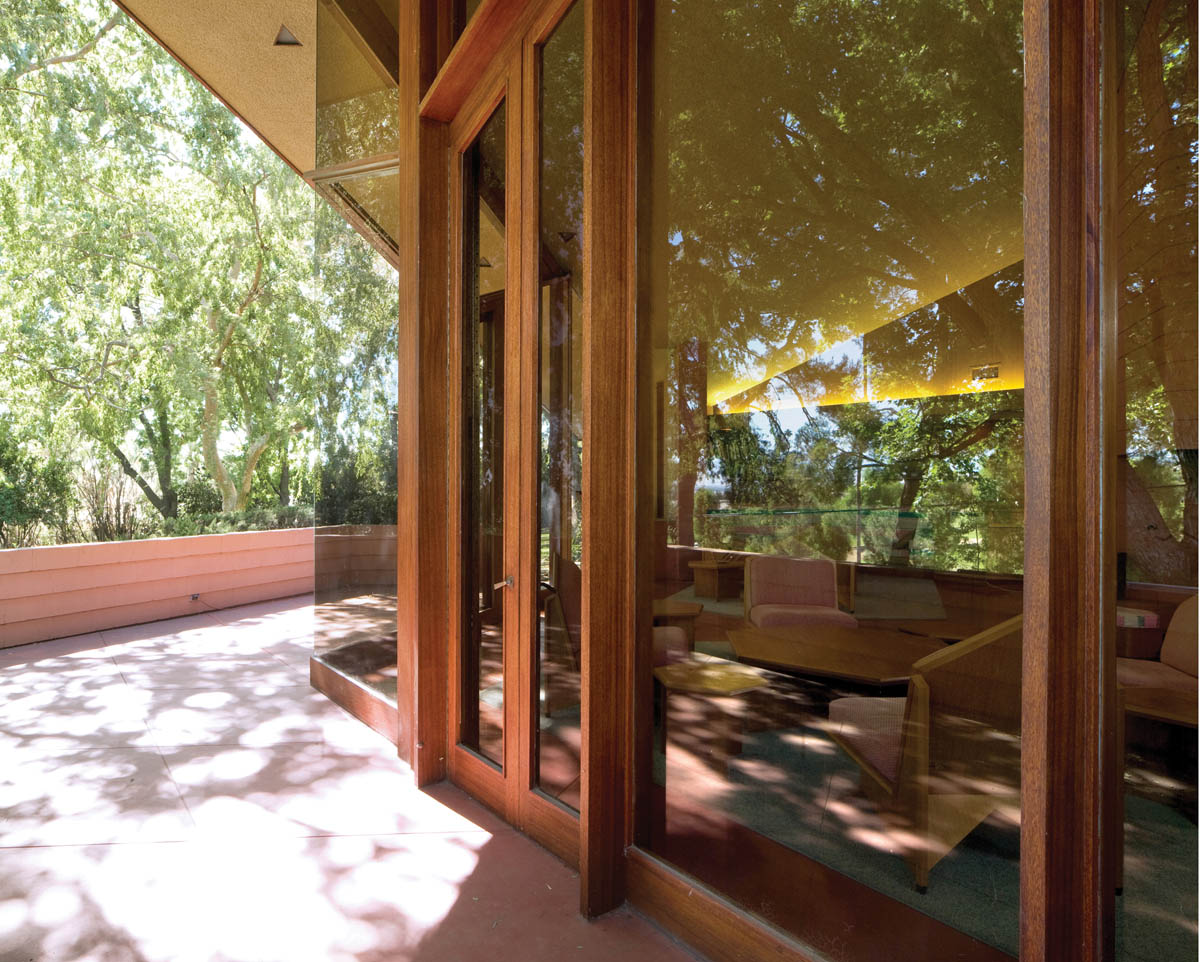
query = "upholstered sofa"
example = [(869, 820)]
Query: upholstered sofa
[(792, 591)]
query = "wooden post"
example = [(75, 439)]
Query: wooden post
[(1068, 556), (422, 517), (609, 426)]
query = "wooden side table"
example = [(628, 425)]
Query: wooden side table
[(681, 614), (707, 693), (718, 579)]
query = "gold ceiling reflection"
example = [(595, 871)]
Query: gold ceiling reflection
[(969, 342), (843, 211)]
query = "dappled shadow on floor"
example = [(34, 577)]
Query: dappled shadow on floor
[(177, 792)]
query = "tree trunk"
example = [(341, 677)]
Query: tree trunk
[(254, 451), (906, 518), (233, 495), (163, 455), (285, 493), (209, 432), (1157, 554), (162, 504)]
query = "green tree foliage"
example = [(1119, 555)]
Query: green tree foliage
[(356, 378), (160, 309), (33, 492)]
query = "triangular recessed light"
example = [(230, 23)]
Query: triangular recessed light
[(285, 38)]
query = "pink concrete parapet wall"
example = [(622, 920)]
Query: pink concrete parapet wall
[(72, 589), (355, 555)]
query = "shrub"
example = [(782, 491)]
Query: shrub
[(252, 519), (198, 496), (33, 493)]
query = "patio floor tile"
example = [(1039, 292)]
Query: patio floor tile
[(87, 796), (303, 790), (111, 713), (159, 631), (256, 716), (60, 647), (168, 669), (182, 795)]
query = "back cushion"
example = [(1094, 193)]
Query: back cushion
[(792, 581), (1179, 646)]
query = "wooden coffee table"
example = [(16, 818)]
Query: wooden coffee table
[(708, 692), (870, 656)]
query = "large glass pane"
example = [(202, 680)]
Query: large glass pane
[(560, 389), (357, 115), (1153, 260), (354, 380), (485, 576), (354, 391), (833, 285), (371, 202)]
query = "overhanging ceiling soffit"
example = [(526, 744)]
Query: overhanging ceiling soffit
[(230, 46)]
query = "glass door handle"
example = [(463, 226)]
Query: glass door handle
[(506, 583)]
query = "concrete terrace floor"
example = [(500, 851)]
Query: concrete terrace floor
[(176, 791)]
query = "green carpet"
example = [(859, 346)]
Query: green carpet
[(798, 788)]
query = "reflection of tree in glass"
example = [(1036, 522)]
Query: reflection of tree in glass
[(840, 166), (837, 247), (560, 232), (360, 127), (1156, 260), (949, 468), (354, 378), (561, 162)]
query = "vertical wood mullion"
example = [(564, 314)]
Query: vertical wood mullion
[(514, 399), (525, 87), (432, 666), (1113, 441), (609, 424), (422, 525), (1068, 572)]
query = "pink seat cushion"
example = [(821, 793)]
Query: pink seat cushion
[(670, 645), (1144, 673), (773, 616), (873, 728)]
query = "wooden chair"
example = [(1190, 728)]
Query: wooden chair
[(947, 756)]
